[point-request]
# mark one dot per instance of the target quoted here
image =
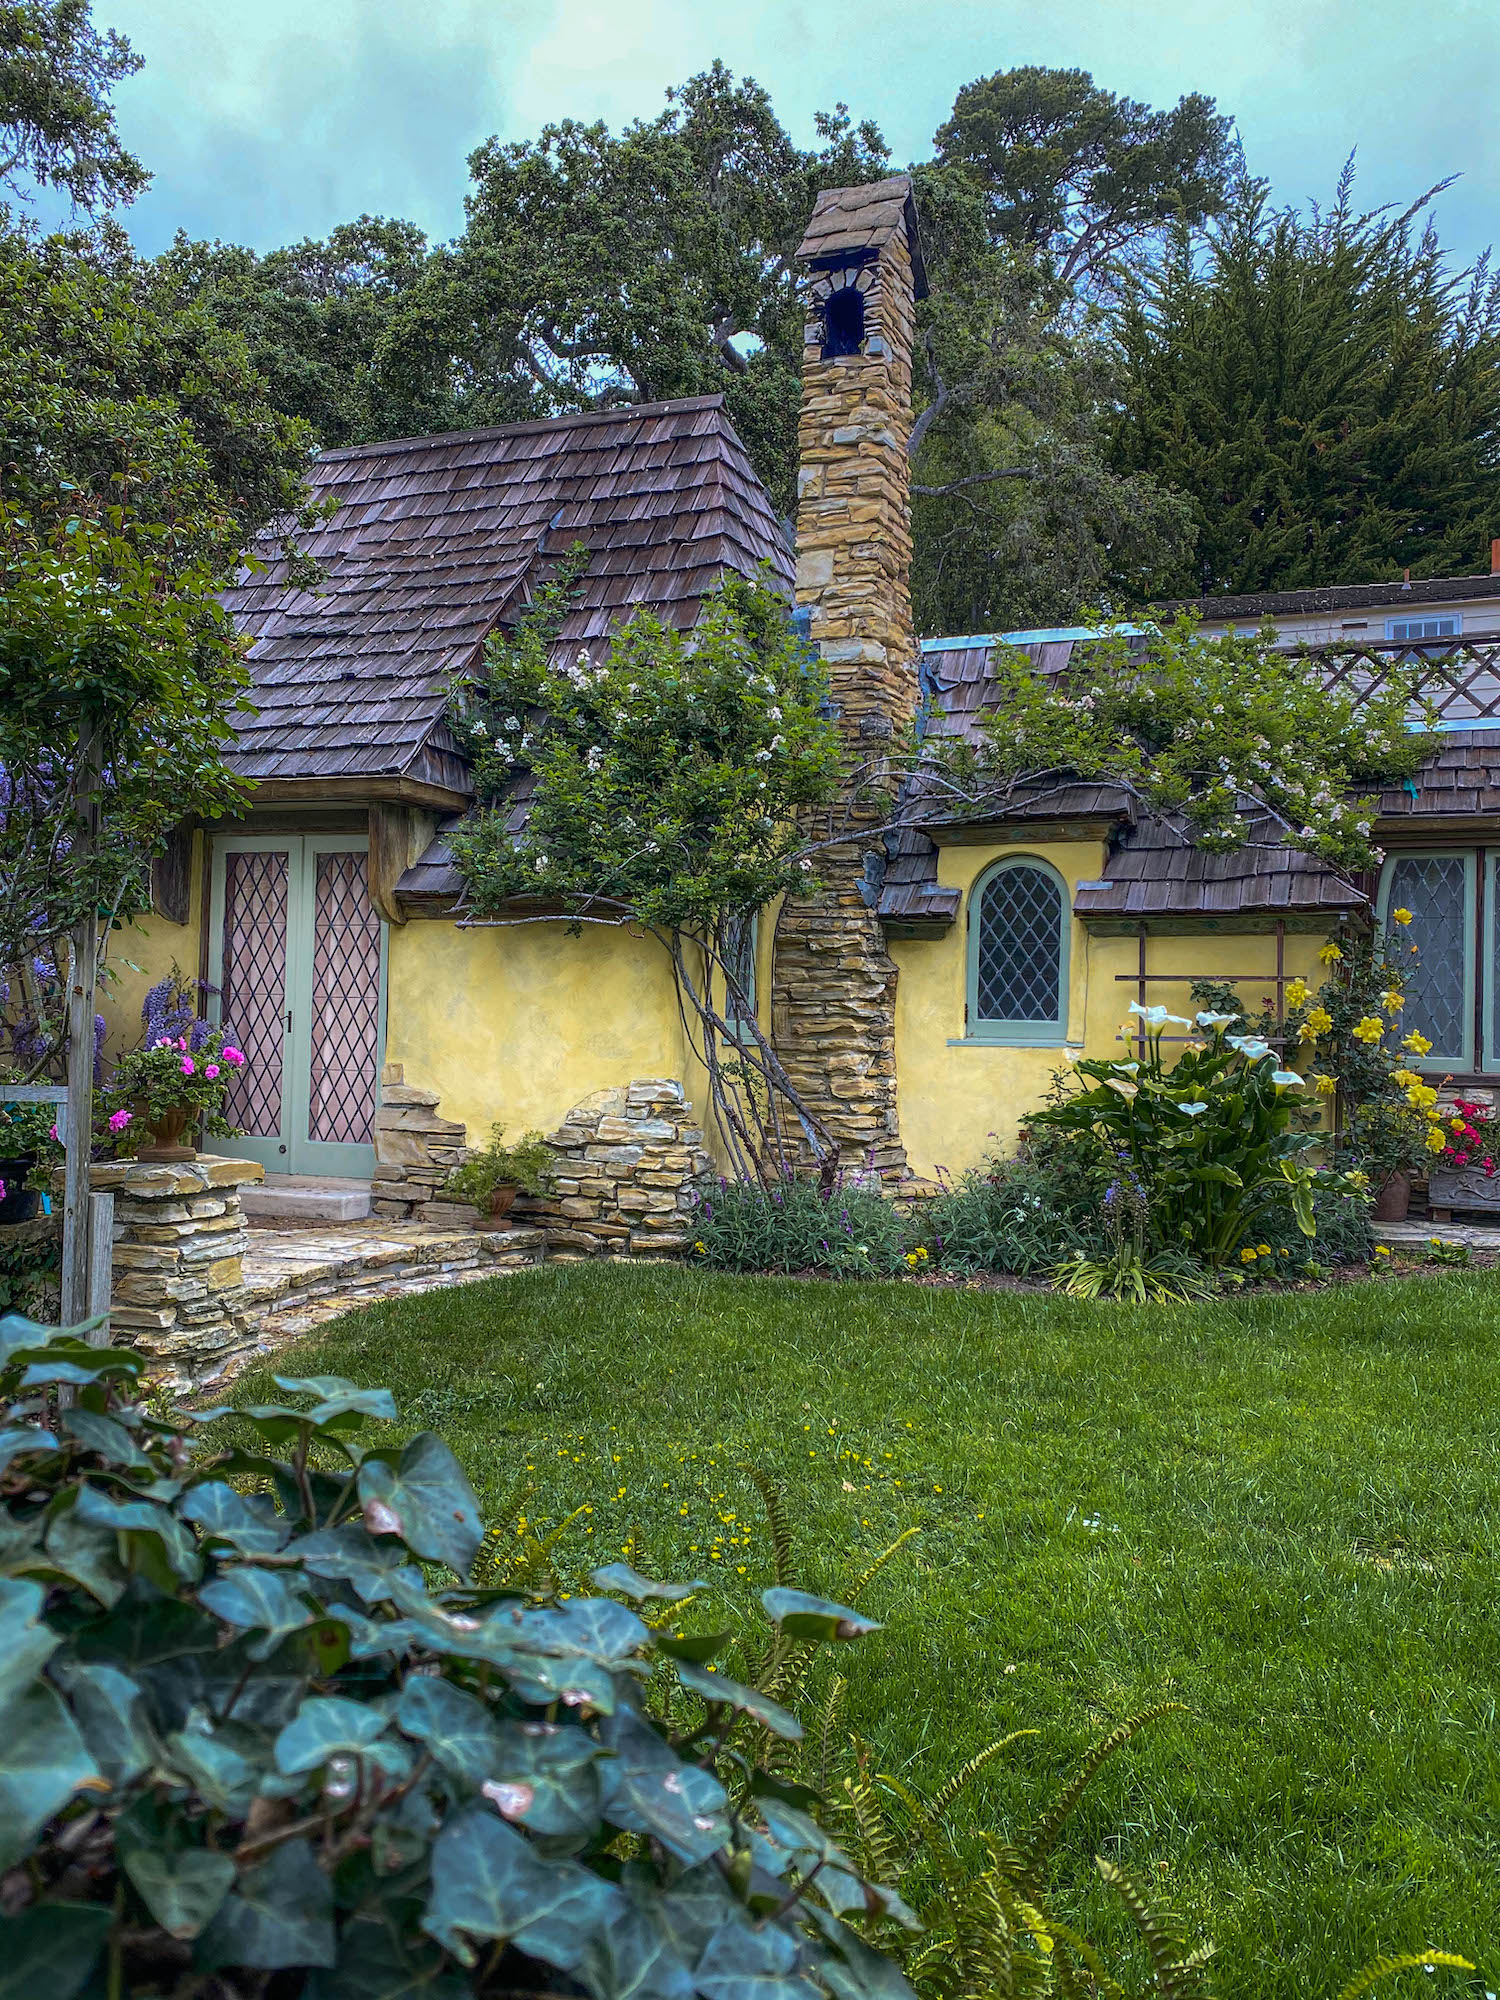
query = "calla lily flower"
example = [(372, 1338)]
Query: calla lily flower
[(1193, 1110), (1251, 1047), (1154, 1017), (1288, 1079), (1216, 1020)]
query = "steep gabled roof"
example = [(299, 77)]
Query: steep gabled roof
[(438, 540)]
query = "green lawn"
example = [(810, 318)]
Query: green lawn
[(1281, 1512)]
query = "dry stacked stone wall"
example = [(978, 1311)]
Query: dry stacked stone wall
[(415, 1151), (627, 1160), (178, 1285)]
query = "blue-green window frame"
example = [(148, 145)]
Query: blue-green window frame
[(1442, 1059), (1031, 1034)]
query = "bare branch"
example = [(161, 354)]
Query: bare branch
[(979, 479)]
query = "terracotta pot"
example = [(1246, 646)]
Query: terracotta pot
[(501, 1198), (1393, 1200), (20, 1203), (166, 1130)]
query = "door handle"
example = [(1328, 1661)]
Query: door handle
[(289, 1021)]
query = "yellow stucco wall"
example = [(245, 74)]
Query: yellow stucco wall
[(144, 952), (519, 1023), (962, 1100)]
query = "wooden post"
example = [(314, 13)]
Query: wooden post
[(83, 977), (101, 1263)]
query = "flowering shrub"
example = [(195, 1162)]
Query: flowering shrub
[(189, 1073), (1208, 1142), (795, 1226), (1468, 1137)]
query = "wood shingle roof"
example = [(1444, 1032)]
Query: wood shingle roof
[(437, 541)]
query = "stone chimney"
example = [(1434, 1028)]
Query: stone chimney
[(834, 985)]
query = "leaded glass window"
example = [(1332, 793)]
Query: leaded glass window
[(739, 964), (1438, 890), (1017, 953)]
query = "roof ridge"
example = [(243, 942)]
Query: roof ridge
[(620, 412)]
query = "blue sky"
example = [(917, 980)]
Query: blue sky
[(268, 120)]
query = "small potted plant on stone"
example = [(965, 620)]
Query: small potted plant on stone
[(490, 1180), (1388, 1142), (158, 1093)]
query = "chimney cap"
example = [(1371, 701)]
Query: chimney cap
[(853, 225)]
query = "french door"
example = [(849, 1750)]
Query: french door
[(297, 952)]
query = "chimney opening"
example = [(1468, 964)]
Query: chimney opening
[(843, 323)]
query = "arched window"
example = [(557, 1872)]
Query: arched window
[(1018, 954)]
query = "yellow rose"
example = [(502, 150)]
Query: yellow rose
[(1326, 1086), (1319, 1020), (1417, 1042), (1405, 1078), (1392, 1000), (1456, 1124), (1369, 1030), (1330, 954), (1400, 916), (1296, 993), (1436, 1143)]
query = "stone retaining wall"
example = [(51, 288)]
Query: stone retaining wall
[(415, 1151), (178, 1289), (626, 1163)]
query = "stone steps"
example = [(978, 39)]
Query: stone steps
[(305, 1198), (297, 1278)]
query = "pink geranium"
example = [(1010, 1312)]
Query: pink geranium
[(118, 1120), (188, 1066), (232, 1056), (210, 1069)]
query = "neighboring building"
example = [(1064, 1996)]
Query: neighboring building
[(924, 1000), (1433, 608)]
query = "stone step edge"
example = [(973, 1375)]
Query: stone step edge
[(473, 1249)]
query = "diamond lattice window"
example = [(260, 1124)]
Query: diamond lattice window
[(1020, 947), (345, 1003), (254, 987), (1433, 888)]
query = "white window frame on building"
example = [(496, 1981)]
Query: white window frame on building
[(1415, 629)]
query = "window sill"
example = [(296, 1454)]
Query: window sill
[(1040, 1042)]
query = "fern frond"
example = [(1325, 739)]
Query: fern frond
[(1406, 1961), (874, 1839), (822, 1731), (1043, 1837), (1177, 1972), (486, 1556), (862, 1582), (935, 1812), (1073, 1944), (781, 1534)]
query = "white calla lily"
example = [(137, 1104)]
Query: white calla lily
[(1154, 1017), (1193, 1110), (1216, 1020), (1287, 1078), (1250, 1046)]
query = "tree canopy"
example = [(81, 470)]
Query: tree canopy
[(1323, 391), (57, 120)]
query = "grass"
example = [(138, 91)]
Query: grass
[(1280, 1511)]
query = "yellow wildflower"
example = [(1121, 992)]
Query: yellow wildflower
[(1357, 1179), (1330, 954), (1393, 1000), (1326, 1086), (1296, 993), (1435, 1140), (1247, 1256), (1400, 916), (1417, 1042), (1369, 1030), (1381, 1250), (1262, 1249)]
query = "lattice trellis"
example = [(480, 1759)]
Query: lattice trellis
[(345, 1003), (1020, 947), (1432, 887), (1461, 681), (254, 987)]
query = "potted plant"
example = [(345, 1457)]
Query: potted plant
[(26, 1138), (1389, 1141), (1464, 1174), (158, 1093), (490, 1180)]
